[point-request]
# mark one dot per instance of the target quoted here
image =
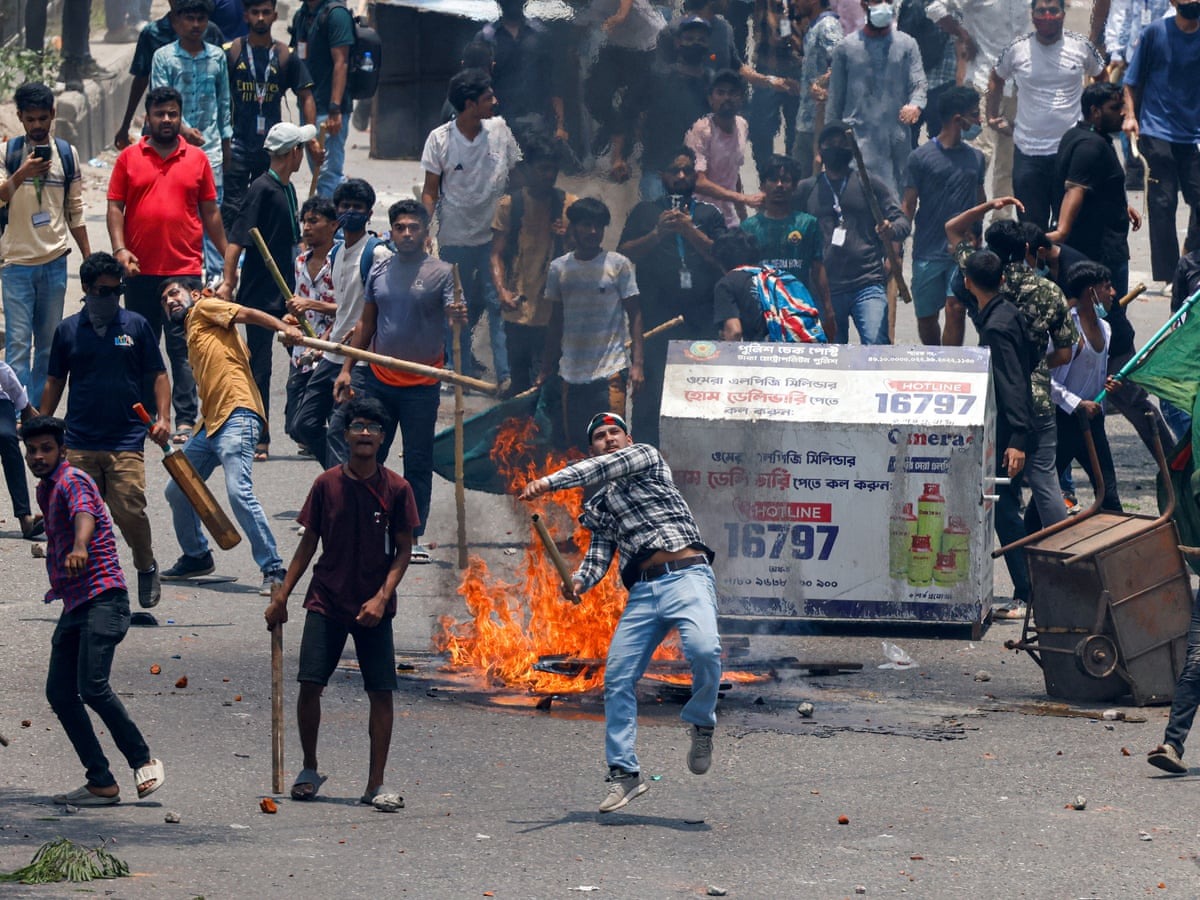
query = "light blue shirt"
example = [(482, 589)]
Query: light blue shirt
[(203, 81)]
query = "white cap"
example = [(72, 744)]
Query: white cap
[(285, 136)]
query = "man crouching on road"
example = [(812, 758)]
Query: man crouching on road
[(665, 566)]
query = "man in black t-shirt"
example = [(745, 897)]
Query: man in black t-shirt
[(271, 207), (260, 71), (670, 241)]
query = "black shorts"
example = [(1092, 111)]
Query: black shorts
[(321, 650)]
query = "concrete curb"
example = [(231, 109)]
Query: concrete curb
[(89, 119)]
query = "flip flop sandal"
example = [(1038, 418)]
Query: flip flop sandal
[(81, 796), (182, 434), (308, 778), (152, 773)]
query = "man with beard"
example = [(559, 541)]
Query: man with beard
[(161, 200), (106, 355), (233, 420), (261, 69), (670, 242)]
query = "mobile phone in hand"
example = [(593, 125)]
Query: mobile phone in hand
[(41, 152)]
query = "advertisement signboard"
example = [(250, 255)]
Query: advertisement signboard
[(837, 482)]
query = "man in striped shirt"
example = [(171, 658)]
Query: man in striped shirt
[(638, 513), (85, 573)]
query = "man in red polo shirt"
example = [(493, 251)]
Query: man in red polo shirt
[(162, 200)]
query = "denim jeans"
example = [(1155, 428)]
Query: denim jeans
[(474, 270), (33, 307), (1187, 688), (10, 458), (1041, 473), (231, 448), (868, 307), (81, 656), (214, 260), (332, 169), (414, 412), (686, 600)]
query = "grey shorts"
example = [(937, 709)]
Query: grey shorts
[(321, 650)]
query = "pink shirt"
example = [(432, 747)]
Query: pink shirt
[(720, 156)]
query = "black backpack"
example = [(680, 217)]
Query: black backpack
[(365, 57), (930, 38), (12, 162)]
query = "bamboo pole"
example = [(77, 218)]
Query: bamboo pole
[(402, 365), (269, 262), (277, 709), (560, 564), (460, 493)]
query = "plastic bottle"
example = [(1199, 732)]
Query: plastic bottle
[(956, 539), (945, 573), (901, 529), (920, 562), (367, 64), (931, 511)]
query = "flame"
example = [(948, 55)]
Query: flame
[(515, 623)]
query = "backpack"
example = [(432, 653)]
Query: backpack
[(787, 306), (930, 38), (366, 53), (367, 261), (12, 162)]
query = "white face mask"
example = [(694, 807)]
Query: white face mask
[(880, 15)]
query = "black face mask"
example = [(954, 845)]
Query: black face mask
[(837, 157), (692, 54), (1190, 11)]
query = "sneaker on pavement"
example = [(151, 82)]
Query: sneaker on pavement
[(699, 756), (92, 69), (622, 787), (149, 588), (190, 567), (420, 556), (1166, 757), (270, 579)]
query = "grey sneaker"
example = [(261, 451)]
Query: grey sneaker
[(622, 787), (270, 579), (149, 588), (699, 757), (1166, 757)]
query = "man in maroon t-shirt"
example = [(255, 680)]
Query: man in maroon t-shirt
[(363, 515)]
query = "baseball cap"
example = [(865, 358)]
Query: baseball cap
[(285, 136), (606, 418)]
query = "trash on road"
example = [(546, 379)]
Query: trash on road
[(898, 658)]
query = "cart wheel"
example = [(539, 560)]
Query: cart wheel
[(1096, 655)]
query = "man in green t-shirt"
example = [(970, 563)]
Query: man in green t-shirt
[(788, 239)]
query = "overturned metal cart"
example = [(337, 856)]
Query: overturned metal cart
[(1111, 601)]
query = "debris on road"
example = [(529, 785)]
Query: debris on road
[(172, 818), (983, 675), (269, 806), (1078, 804), (806, 709)]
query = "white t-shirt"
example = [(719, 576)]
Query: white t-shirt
[(349, 290), (10, 387), (1049, 84), (474, 177), (594, 326), (639, 31), (1083, 377)]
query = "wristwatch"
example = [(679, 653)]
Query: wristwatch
[(335, 108)]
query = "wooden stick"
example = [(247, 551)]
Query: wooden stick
[(1138, 290), (653, 332), (564, 571), (277, 709), (402, 365), (894, 261), (269, 262), (460, 491)]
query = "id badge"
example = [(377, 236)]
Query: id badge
[(302, 49), (1147, 18), (685, 279), (40, 219), (785, 27), (839, 237), (260, 122)]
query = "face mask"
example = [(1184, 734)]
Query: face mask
[(1100, 310), (354, 221), (972, 131), (692, 54), (1190, 11), (101, 310), (1043, 269), (837, 157), (880, 15)]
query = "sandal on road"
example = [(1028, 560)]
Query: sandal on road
[(182, 435), (149, 778), (307, 783), (81, 796)]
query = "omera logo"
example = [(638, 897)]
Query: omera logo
[(931, 439)]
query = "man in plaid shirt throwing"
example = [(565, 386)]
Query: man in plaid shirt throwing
[(638, 512)]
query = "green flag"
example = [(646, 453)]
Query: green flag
[(1172, 371)]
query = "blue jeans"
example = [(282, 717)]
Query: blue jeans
[(686, 600), (1041, 474), (33, 307), (474, 270), (332, 170), (81, 656), (232, 448), (1187, 688), (868, 307), (214, 261)]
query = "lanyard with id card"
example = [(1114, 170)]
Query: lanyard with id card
[(685, 274), (381, 518), (838, 238), (260, 87)]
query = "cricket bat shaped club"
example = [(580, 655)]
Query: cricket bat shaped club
[(184, 474)]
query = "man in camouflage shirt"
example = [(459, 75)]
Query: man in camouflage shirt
[(1048, 320)]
